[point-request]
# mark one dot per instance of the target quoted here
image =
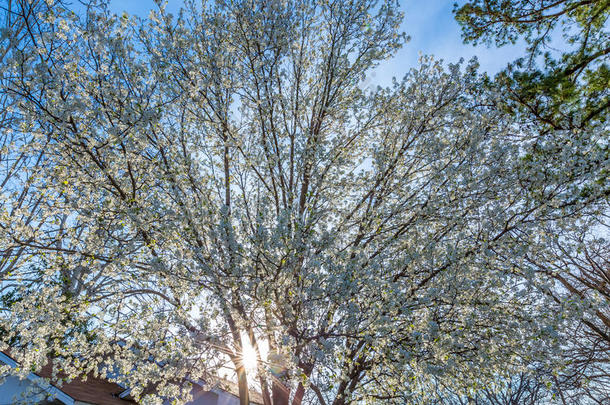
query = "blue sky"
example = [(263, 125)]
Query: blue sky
[(430, 24), (434, 31)]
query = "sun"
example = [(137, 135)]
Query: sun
[(249, 357)]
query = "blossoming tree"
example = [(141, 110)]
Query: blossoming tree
[(219, 180)]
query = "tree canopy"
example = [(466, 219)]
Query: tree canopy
[(182, 188), (563, 80)]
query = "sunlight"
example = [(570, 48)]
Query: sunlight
[(249, 357)]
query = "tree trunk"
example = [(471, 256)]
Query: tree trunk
[(281, 394), (242, 383)]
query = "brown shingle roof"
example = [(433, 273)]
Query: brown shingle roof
[(99, 391), (94, 390)]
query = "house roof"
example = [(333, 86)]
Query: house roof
[(96, 390), (93, 390), (232, 388)]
